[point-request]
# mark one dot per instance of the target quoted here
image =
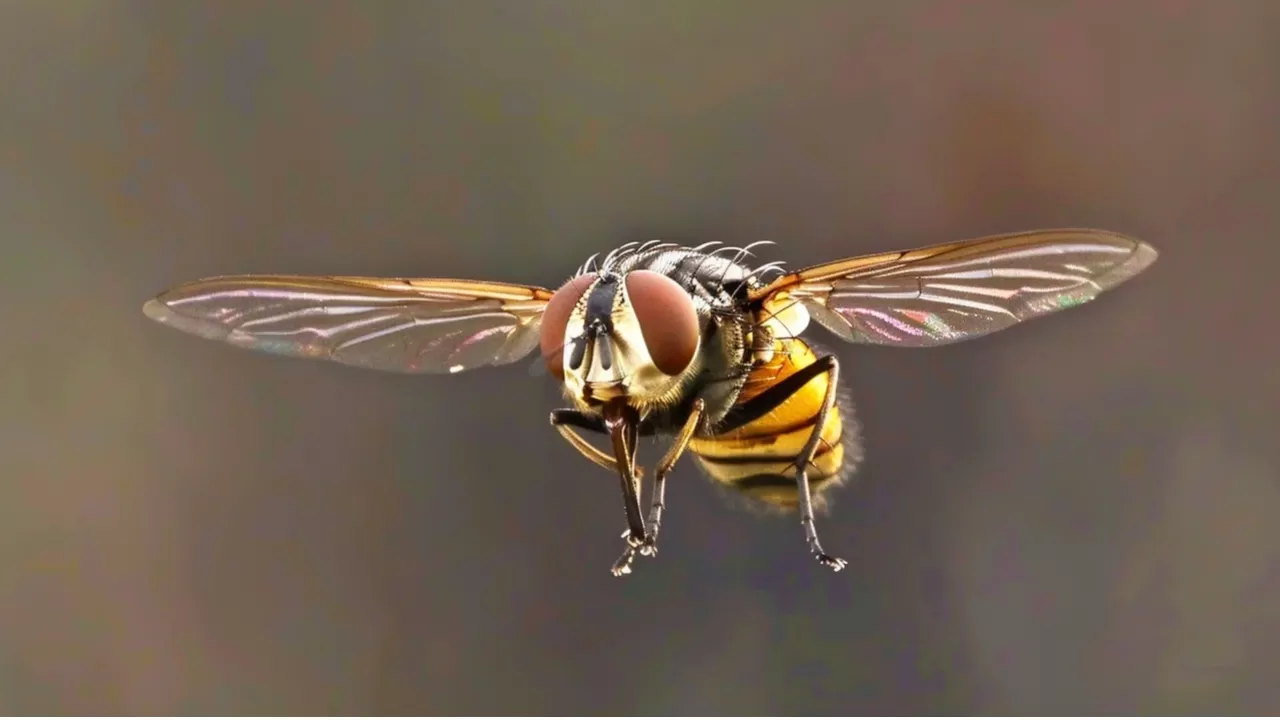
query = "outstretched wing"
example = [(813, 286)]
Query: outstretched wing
[(399, 325), (957, 291)]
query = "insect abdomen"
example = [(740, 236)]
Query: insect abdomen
[(758, 458)]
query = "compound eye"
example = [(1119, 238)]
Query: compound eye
[(667, 319), (555, 321)]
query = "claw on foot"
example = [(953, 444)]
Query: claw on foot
[(836, 564), (649, 548), (636, 545)]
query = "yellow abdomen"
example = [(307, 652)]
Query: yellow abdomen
[(758, 458)]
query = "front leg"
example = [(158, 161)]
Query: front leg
[(622, 422), (623, 460)]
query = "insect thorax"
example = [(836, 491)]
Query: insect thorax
[(716, 280)]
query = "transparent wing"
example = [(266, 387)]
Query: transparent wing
[(399, 325), (948, 293)]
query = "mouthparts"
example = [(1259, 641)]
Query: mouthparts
[(605, 391)]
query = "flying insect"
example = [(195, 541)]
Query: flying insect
[(696, 344)]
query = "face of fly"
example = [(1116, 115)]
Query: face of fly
[(608, 335)]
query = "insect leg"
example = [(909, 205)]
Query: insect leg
[(565, 420), (832, 367), (656, 503), (770, 399), (622, 424), (594, 423)]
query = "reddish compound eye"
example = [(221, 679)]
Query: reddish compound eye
[(555, 319), (667, 319)]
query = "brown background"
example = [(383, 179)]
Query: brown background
[(1080, 515)]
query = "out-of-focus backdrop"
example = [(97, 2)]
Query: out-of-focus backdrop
[(1079, 515)]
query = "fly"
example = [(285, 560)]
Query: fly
[(693, 344)]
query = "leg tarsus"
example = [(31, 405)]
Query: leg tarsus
[(815, 547), (649, 547), (634, 545)]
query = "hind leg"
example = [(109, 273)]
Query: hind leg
[(774, 397)]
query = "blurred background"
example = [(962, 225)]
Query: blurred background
[(1075, 516)]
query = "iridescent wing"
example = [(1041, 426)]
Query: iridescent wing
[(399, 325), (957, 291)]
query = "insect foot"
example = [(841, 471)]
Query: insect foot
[(836, 564), (635, 543), (623, 565), (649, 548)]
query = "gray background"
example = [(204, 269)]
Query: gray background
[(1075, 516)]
